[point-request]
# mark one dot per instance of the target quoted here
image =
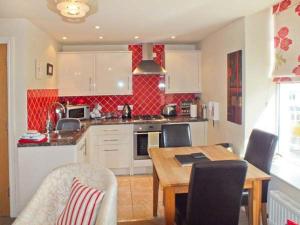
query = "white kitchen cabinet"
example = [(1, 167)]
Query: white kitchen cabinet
[(76, 72), (95, 73), (112, 147), (82, 150), (113, 73), (183, 71), (199, 133), (35, 163)]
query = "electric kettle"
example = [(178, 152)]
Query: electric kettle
[(126, 112)]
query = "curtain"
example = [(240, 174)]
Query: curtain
[(287, 41)]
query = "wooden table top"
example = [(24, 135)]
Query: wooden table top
[(170, 173)]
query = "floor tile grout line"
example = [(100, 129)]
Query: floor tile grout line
[(131, 198)]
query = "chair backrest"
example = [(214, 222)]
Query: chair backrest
[(215, 192), (176, 135), (53, 193), (260, 151)]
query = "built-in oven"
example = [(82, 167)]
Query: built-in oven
[(140, 139)]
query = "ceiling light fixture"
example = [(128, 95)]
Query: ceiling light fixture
[(101, 37), (97, 27), (136, 37), (73, 9), (64, 38), (173, 37)]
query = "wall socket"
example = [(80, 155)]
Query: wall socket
[(120, 107)]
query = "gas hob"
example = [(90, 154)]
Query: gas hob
[(148, 117)]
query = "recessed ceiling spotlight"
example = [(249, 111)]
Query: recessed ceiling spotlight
[(97, 27), (101, 37), (173, 37), (64, 38), (136, 37)]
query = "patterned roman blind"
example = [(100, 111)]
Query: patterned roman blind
[(287, 41)]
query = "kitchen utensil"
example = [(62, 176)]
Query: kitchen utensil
[(169, 110)]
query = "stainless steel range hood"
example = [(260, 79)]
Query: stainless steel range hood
[(147, 65)]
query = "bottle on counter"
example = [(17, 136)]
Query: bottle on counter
[(204, 111), (193, 110)]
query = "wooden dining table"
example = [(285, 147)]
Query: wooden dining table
[(174, 178)]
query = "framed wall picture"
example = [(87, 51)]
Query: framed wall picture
[(234, 87), (49, 69)]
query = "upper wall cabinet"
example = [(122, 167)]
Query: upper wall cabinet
[(113, 73), (95, 73), (183, 71), (76, 72)]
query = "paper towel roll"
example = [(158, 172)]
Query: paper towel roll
[(193, 110)]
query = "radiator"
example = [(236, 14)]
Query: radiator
[(281, 208)]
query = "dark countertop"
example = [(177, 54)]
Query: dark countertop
[(73, 137)]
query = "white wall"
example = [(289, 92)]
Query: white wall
[(214, 49), (254, 35), (29, 43), (16, 29), (42, 47), (259, 88)]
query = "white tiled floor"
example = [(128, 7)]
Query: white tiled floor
[(135, 201)]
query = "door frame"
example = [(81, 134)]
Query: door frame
[(12, 149)]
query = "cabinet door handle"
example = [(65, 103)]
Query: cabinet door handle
[(90, 80), (169, 82), (82, 147), (128, 85), (144, 133), (111, 130), (111, 140), (111, 150), (85, 147)]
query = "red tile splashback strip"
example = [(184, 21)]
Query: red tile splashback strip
[(38, 101)]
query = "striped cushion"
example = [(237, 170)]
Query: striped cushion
[(82, 206)]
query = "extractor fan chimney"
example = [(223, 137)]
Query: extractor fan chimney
[(147, 66)]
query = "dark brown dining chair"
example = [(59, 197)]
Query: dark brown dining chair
[(214, 196), (176, 135), (260, 151)]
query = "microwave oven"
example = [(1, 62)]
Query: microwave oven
[(81, 112)]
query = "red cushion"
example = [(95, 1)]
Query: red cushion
[(289, 222), (82, 206)]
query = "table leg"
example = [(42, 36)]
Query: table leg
[(169, 194), (155, 191), (256, 202), (250, 207)]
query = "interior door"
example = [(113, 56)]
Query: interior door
[(4, 173)]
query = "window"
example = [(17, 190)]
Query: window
[(289, 121)]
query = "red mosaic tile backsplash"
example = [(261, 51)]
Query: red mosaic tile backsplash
[(38, 101), (147, 98)]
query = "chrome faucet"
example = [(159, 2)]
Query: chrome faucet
[(58, 110)]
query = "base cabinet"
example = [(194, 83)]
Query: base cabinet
[(199, 133), (108, 145), (112, 147), (35, 163)]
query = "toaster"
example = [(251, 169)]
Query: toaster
[(169, 110)]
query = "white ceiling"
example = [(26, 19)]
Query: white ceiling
[(151, 20)]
